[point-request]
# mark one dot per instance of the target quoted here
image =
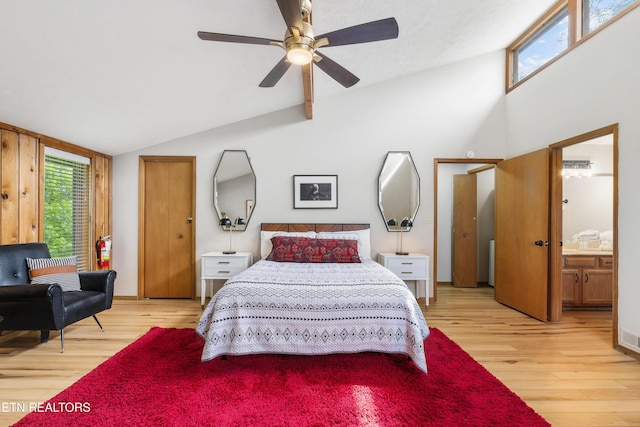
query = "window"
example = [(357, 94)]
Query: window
[(563, 26), (551, 40), (598, 12), (67, 225)]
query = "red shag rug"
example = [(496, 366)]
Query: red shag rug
[(159, 381)]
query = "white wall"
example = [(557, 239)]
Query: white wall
[(593, 86), (441, 113)]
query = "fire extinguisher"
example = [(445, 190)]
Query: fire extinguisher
[(103, 251)]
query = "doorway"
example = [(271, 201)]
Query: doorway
[(166, 224), (444, 169), (589, 212), (555, 213)]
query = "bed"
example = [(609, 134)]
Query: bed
[(343, 302)]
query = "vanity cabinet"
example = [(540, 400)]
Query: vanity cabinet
[(587, 280)]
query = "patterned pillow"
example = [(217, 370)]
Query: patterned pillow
[(62, 271), (363, 237), (304, 249), (265, 239)]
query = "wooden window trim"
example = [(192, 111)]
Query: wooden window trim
[(575, 36)]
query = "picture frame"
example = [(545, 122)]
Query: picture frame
[(315, 191)]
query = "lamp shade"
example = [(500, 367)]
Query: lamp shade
[(406, 222)]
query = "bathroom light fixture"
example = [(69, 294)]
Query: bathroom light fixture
[(576, 168)]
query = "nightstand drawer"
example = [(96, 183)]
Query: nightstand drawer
[(216, 266), (408, 268), (221, 272)]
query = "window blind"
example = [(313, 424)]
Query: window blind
[(66, 208)]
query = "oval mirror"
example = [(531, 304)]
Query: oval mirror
[(398, 191), (234, 189)]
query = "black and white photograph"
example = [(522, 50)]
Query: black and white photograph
[(315, 191)]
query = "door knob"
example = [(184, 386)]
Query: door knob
[(189, 220), (180, 236), (541, 243)]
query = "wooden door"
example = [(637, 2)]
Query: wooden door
[(167, 269), (522, 233), (465, 231)]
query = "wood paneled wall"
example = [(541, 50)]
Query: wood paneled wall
[(19, 172), (22, 179)]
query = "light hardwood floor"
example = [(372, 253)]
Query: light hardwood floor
[(566, 371)]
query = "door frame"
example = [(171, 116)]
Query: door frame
[(436, 162), (142, 162), (555, 290)]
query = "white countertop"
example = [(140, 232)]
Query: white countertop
[(586, 252)]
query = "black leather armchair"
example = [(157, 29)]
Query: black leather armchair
[(45, 307)]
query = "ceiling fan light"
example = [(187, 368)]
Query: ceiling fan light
[(300, 54)]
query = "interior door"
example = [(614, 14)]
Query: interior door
[(465, 230), (168, 242), (522, 233)]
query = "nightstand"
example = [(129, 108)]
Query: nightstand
[(217, 265), (414, 266)]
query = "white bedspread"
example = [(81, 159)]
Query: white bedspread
[(293, 308)]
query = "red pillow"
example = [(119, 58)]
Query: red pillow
[(305, 249)]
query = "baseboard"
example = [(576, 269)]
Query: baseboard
[(126, 297), (628, 352)]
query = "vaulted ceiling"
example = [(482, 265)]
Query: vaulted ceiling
[(118, 75)]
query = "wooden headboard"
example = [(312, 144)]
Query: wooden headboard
[(271, 226)]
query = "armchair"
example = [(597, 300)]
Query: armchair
[(45, 307)]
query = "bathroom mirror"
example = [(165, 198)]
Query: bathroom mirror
[(234, 189), (398, 191)]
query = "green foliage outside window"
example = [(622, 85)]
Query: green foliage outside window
[(58, 210), (66, 209)]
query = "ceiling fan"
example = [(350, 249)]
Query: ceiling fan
[(301, 45)]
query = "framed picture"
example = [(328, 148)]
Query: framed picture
[(315, 191)]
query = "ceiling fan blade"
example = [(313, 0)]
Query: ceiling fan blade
[(218, 37), (340, 74), (276, 73), (383, 29), (291, 12)]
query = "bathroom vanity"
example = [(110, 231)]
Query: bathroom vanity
[(587, 278)]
